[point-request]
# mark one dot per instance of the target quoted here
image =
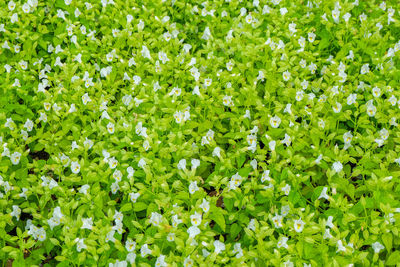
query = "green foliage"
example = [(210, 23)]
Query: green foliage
[(227, 132)]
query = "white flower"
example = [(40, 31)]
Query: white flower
[(277, 220), (171, 237), (286, 76), (160, 262), (275, 122), (247, 114), (130, 171), (292, 28), (302, 42), (16, 212), (227, 101), (110, 236), (75, 167), (318, 160), (376, 91), (324, 194), (134, 196), (371, 109), (80, 244), (283, 11), (217, 152), (286, 189), (110, 127), (205, 253), (188, 262), (237, 249), (384, 134), (252, 225), (11, 5), (84, 188), (346, 17), (144, 250), (337, 166), (329, 222), (252, 140), (272, 145), (142, 163), (131, 257), (15, 157), (155, 218), (347, 137), (235, 181), (112, 162), (130, 245), (146, 145), (205, 205), (14, 18), (41, 234), (299, 95), (298, 225), (88, 143), (87, 223), (311, 37), (379, 142), (392, 100), (72, 108), (327, 234), (86, 99), (56, 219), (265, 176), (287, 141), (145, 52), (340, 246), (182, 164), (23, 193), (117, 175), (195, 219), (176, 221), (195, 163), (193, 187), (283, 242), (193, 231), (253, 164), (206, 34), (377, 247), (114, 187), (364, 69), (219, 246), (337, 108), (117, 262), (9, 123), (179, 117), (351, 99), (163, 57), (207, 82), (336, 15)]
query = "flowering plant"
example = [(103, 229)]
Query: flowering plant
[(194, 133)]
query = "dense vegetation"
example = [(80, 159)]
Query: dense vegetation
[(195, 133)]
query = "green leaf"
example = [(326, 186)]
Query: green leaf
[(324, 44), (240, 160), (387, 241), (54, 241), (228, 202), (126, 207), (235, 230), (219, 218), (394, 258), (139, 206)]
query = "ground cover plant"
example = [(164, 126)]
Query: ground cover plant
[(199, 133)]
